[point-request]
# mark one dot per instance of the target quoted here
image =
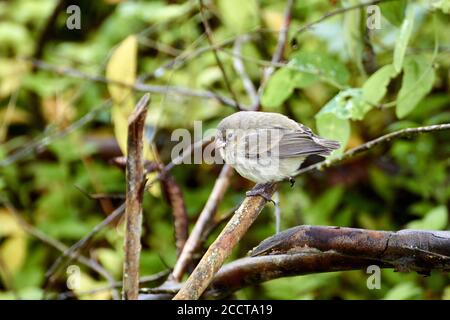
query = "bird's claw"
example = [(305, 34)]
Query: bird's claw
[(292, 181), (261, 193)]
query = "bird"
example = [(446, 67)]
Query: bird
[(267, 147)]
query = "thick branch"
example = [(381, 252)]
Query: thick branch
[(203, 222), (133, 207), (315, 249), (221, 248)]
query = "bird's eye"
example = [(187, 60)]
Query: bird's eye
[(229, 135)]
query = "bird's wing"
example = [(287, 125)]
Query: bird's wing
[(304, 143), (261, 142), (284, 143)]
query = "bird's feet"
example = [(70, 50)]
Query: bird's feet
[(292, 181), (260, 190)]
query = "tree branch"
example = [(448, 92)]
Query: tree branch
[(203, 222), (133, 204), (337, 12), (139, 87), (279, 51), (221, 248), (408, 132), (215, 50), (314, 249), (240, 69)]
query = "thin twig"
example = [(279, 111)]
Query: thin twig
[(337, 12), (41, 142), (279, 51), (240, 69), (118, 284), (408, 132), (118, 212), (209, 36), (139, 87), (175, 198), (221, 248), (243, 217), (90, 263), (204, 220), (133, 203), (72, 252)]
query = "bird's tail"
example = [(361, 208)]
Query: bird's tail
[(329, 145)]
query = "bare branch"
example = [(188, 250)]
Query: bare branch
[(279, 51), (337, 12), (203, 222), (240, 69), (209, 36), (175, 198), (314, 249), (139, 87), (133, 207), (408, 132), (221, 248), (54, 243)]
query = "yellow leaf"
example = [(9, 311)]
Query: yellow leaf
[(119, 117), (122, 68), (86, 283), (273, 19), (9, 225), (155, 189), (13, 252), (11, 74)]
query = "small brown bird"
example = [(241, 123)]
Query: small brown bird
[(267, 147)]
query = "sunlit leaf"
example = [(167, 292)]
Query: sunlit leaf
[(321, 65), (374, 89), (443, 5), (394, 11), (13, 252), (278, 89), (404, 291), (122, 68), (332, 127), (353, 35), (348, 104), (435, 219), (418, 80), (243, 19), (402, 40)]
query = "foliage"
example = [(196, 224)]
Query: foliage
[(325, 82)]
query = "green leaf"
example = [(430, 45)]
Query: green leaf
[(435, 219), (353, 35), (322, 66), (418, 79), (402, 40), (278, 89), (394, 11), (348, 104), (332, 127), (403, 291), (239, 20), (374, 89), (443, 5)]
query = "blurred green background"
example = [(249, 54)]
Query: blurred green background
[(50, 159)]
